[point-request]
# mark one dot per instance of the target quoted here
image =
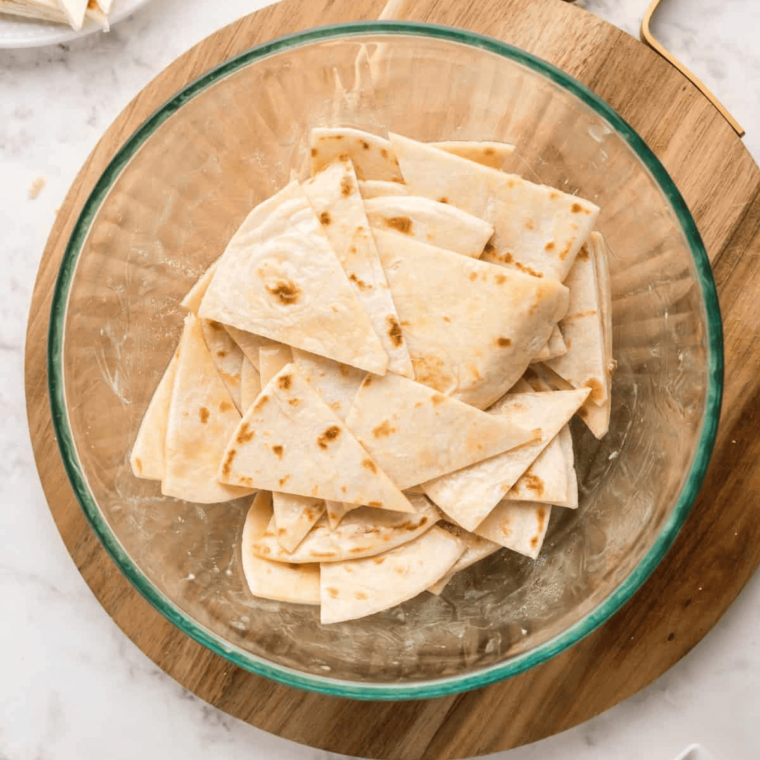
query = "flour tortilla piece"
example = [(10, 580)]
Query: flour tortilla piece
[(538, 230), (104, 5), (468, 495), (282, 280), (371, 155), (432, 222), (416, 434), (555, 346), (334, 196), (358, 588), (566, 445), (283, 582), (250, 384), (517, 525), (486, 152), (600, 253), (291, 441), (472, 328), (249, 343), (294, 516), (336, 511), (147, 457), (546, 479), (192, 300), (379, 188), (75, 11), (227, 358), (364, 532), (476, 549), (49, 10), (584, 364), (202, 417)]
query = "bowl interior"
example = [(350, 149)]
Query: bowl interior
[(172, 200)]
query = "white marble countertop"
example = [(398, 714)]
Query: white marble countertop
[(72, 686)]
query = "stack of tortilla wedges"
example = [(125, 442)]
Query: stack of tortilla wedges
[(71, 12), (388, 355)]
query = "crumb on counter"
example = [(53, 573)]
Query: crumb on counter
[(36, 187)]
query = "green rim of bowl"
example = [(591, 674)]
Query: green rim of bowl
[(423, 689)]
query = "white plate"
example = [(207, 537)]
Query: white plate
[(17, 32)]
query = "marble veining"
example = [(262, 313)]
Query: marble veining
[(72, 686)]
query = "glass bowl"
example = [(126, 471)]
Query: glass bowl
[(167, 205)]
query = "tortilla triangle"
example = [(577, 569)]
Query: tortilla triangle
[(486, 323), (227, 358), (202, 417), (538, 229), (291, 441), (194, 296), (416, 434), (555, 346), (75, 11), (357, 588), (334, 196), (282, 280), (249, 343), (517, 525), (370, 154)]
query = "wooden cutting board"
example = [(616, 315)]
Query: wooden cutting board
[(717, 550)]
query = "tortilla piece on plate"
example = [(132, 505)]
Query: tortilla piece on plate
[(538, 230), (472, 328), (291, 441), (250, 384), (416, 434), (249, 343), (556, 346), (283, 582), (380, 188), (371, 155), (362, 533), (517, 525), (432, 222), (334, 196), (192, 300), (476, 548), (468, 495), (486, 152), (282, 280), (147, 457), (227, 358), (357, 588), (584, 365), (202, 417)]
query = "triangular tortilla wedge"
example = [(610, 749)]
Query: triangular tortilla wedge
[(249, 343), (202, 417), (468, 495), (583, 366), (357, 588), (416, 434), (334, 196), (147, 457), (371, 155), (291, 441), (336, 511), (250, 384), (294, 516), (362, 533), (538, 230), (476, 548), (546, 479), (600, 253), (472, 328), (282, 280), (517, 525), (192, 300), (75, 11), (432, 222), (283, 582), (227, 358), (380, 188), (486, 152), (555, 346)]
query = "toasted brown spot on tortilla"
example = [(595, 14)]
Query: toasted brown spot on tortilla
[(225, 406), (314, 152), (431, 371), (488, 248), (553, 195), (360, 595), (244, 434), (264, 550), (473, 276), (221, 354), (138, 464), (369, 464), (398, 570), (294, 401), (204, 414), (365, 145), (278, 450), (246, 481), (352, 249), (359, 283), (579, 314), (337, 137), (399, 223), (511, 183), (565, 251), (281, 531), (503, 342), (394, 331), (489, 151), (507, 257), (528, 270), (333, 592), (283, 481), (285, 382), (260, 402), (576, 208), (437, 399), (444, 199), (549, 246), (383, 429), (597, 392), (379, 560), (383, 152), (227, 466), (287, 292), (327, 436), (346, 186), (374, 503), (583, 412), (529, 225), (583, 253), (500, 279), (325, 218), (534, 483), (214, 325)]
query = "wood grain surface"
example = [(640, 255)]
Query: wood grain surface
[(716, 552)]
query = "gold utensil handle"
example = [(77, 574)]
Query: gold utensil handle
[(649, 39)]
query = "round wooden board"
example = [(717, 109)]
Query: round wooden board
[(719, 547)]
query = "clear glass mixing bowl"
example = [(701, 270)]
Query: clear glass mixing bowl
[(167, 205)]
